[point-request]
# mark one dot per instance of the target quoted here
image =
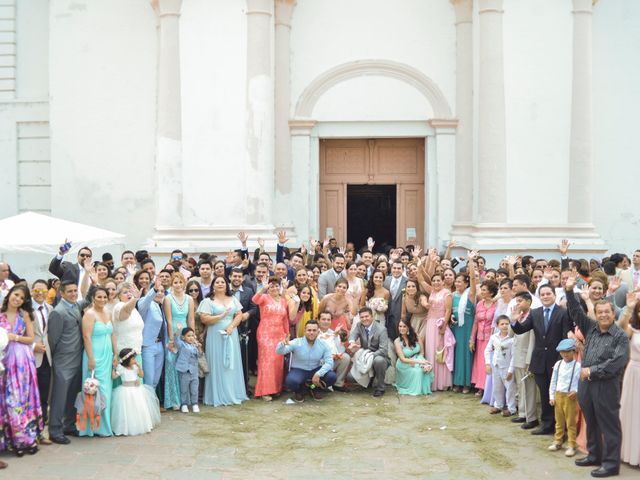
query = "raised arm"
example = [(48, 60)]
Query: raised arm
[(473, 283), (623, 322), (576, 315)]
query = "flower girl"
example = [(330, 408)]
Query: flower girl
[(134, 407)]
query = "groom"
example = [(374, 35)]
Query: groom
[(65, 341)]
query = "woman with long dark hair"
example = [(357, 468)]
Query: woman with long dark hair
[(21, 423), (414, 373)]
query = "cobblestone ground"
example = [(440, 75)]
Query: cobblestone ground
[(345, 436)]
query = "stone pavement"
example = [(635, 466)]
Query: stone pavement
[(345, 436)]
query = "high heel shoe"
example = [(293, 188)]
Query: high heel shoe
[(19, 453), (32, 450)]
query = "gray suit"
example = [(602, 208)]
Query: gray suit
[(395, 306), (378, 342), (327, 282), (65, 342)]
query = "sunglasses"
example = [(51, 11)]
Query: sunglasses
[(40, 290), (194, 290)]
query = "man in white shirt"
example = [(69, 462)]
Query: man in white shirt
[(341, 358), (41, 310), (5, 283)]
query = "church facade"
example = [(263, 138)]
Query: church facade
[(503, 124)]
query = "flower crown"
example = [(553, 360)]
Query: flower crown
[(127, 356)]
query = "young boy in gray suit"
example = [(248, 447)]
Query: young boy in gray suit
[(187, 367)]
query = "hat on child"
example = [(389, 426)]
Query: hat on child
[(566, 344)]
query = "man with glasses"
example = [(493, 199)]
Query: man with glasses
[(70, 271), (41, 351)]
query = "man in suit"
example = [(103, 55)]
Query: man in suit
[(42, 353), (65, 341), (395, 283), (327, 281), (523, 346), (154, 333), (369, 335), (550, 324), (67, 270), (244, 294)]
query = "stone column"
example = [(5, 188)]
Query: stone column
[(580, 156), (169, 111), (260, 114), (492, 207), (283, 140), (464, 110)]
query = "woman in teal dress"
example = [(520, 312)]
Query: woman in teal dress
[(180, 313), (99, 352), (222, 313), (463, 308), (414, 373)]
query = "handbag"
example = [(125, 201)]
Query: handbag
[(440, 355), (203, 366)]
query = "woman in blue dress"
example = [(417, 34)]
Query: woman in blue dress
[(221, 313), (99, 352), (463, 308), (414, 373), (180, 313)]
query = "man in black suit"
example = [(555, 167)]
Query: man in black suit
[(67, 270), (244, 294), (550, 324)]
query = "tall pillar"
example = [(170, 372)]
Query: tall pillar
[(492, 162), (464, 109), (169, 122), (260, 114), (580, 156), (283, 158)]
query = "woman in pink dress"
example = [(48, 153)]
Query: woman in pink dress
[(273, 328), (630, 398), (439, 309), (481, 332)]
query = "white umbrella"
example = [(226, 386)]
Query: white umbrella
[(36, 233)]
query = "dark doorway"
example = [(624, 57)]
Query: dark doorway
[(371, 212)]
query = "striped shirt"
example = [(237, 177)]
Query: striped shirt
[(605, 353)]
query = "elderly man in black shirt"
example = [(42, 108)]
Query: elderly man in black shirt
[(606, 353)]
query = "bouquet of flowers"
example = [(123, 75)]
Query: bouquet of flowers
[(427, 367), (378, 304)]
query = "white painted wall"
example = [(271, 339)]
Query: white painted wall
[(616, 104), (537, 71), (103, 60), (213, 56)]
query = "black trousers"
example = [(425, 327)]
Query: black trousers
[(547, 414), (600, 404), (44, 386)]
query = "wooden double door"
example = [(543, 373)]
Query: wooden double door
[(373, 187)]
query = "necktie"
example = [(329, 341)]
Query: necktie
[(366, 329), (394, 286), (44, 321), (546, 319)]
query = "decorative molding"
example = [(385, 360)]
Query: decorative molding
[(284, 12), (444, 125), (261, 7), (301, 127), (505, 237), (166, 7), (384, 68)]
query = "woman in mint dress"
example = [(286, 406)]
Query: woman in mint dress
[(463, 309), (99, 352), (179, 312), (222, 313), (414, 373)]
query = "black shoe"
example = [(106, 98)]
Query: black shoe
[(72, 433), (518, 420), (605, 472), (298, 397), (61, 439), (19, 452), (543, 431), (32, 450), (338, 389), (378, 393), (587, 462), (530, 425), (316, 393)]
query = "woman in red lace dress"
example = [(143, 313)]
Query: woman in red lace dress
[(273, 328)]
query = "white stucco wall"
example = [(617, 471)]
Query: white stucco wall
[(616, 103), (103, 58), (213, 67)]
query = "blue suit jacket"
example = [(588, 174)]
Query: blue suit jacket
[(187, 360)]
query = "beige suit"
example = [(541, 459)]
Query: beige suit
[(526, 390), (40, 336)]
